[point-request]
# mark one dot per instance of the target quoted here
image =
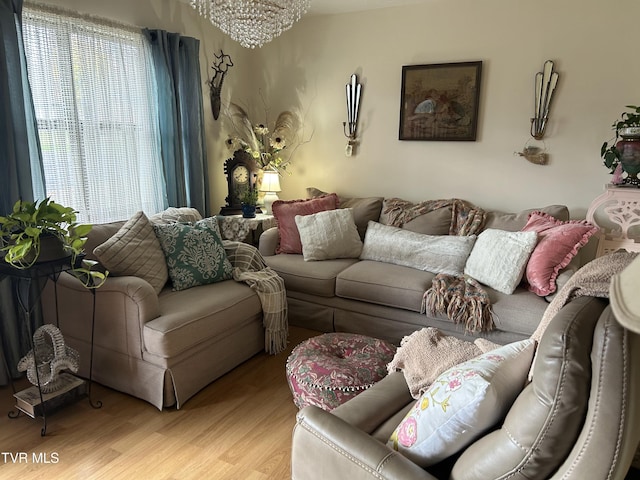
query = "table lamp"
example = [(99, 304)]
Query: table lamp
[(270, 185)]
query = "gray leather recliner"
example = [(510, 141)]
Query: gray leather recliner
[(577, 419)]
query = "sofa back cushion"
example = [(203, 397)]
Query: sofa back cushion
[(544, 422), (435, 222), (514, 222)]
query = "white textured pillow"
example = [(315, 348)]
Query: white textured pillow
[(135, 250), (462, 404), (499, 258), (432, 253), (329, 234)]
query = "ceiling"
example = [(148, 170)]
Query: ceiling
[(325, 7)]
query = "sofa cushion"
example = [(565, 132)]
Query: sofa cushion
[(364, 209), (317, 279), (328, 235), (499, 258), (436, 222), (553, 405), (285, 212), (432, 253), (384, 284), (176, 214), (463, 403), (134, 250), (558, 242), (514, 222), (194, 253), (190, 317)]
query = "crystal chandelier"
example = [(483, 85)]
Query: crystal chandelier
[(252, 22)]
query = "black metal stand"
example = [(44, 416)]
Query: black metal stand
[(28, 290)]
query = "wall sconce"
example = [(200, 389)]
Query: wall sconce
[(270, 185), (353, 105), (545, 85)]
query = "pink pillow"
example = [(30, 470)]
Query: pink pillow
[(285, 212), (558, 243)]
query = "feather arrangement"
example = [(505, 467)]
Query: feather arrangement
[(264, 145)]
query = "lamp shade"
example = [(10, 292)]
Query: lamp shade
[(270, 181), (624, 293)]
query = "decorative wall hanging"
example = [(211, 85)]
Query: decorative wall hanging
[(545, 86), (440, 101), (252, 23), (220, 67), (350, 127)]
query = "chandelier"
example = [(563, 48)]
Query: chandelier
[(252, 23)]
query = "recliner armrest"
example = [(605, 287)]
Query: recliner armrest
[(325, 446)]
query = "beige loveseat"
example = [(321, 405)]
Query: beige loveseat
[(577, 419), (162, 348), (384, 300)]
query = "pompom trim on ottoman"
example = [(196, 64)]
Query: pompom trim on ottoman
[(332, 368)]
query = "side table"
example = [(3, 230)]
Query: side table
[(28, 285), (237, 228), (621, 205)]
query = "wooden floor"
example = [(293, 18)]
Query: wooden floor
[(239, 427)]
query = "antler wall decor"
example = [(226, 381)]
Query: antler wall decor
[(220, 67), (354, 90)]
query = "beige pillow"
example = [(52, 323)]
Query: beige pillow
[(329, 234), (499, 258), (176, 215), (135, 250)]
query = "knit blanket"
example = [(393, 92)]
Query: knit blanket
[(593, 280), (249, 267), (461, 298), (426, 353)]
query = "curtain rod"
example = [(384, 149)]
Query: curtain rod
[(41, 7)]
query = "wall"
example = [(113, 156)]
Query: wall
[(308, 66)]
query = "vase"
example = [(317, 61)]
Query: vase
[(248, 211), (629, 153)]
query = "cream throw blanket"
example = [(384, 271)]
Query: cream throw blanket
[(425, 354), (249, 267)]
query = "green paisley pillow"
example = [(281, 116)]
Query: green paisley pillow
[(194, 253)]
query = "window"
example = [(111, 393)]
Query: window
[(93, 89)]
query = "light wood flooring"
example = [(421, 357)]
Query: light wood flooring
[(239, 427)]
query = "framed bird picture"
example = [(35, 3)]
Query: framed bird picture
[(440, 101)]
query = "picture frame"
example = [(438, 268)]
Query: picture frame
[(440, 101)]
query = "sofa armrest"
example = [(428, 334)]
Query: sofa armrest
[(325, 446), (123, 306), (268, 242)]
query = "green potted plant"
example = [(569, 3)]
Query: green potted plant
[(249, 202), (622, 153), (44, 231)]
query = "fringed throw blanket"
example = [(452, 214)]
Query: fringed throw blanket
[(461, 298), (593, 279), (249, 267)]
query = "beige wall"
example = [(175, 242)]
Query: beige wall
[(306, 68)]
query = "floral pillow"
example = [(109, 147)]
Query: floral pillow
[(194, 253), (462, 404), (558, 243)]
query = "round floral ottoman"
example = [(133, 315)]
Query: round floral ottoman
[(329, 369)]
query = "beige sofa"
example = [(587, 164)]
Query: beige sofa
[(162, 348), (384, 300), (576, 420)]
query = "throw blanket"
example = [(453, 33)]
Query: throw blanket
[(461, 298), (249, 267), (425, 354), (593, 279)]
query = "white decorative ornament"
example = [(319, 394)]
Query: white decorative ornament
[(53, 357)]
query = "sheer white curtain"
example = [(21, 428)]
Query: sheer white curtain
[(93, 90)]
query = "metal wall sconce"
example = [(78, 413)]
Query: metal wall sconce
[(545, 85), (220, 67), (354, 90)]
